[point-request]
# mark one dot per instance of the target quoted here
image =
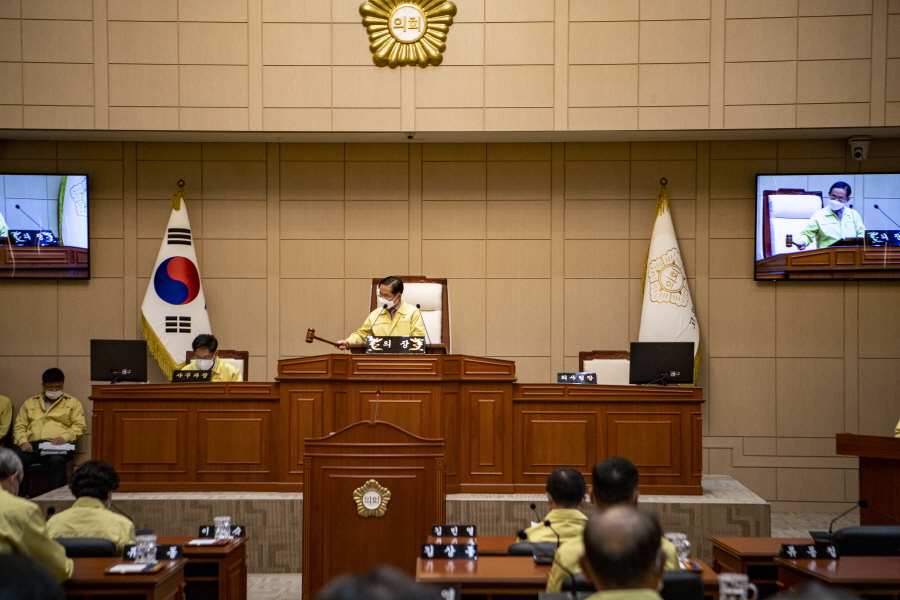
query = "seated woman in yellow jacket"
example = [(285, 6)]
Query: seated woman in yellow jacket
[(90, 517)]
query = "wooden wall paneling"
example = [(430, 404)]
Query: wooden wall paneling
[(451, 432), (552, 437), (235, 441), (490, 443), (410, 409), (151, 440), (307, 420), (696, 432)]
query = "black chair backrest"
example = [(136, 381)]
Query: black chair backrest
[(868, 540), (577, 582), (682, 585), (547, 549), (88, 547)]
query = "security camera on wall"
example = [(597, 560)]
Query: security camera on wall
[(859, 147)]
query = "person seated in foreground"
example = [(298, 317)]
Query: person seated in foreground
[(399, 318), (6, 412), (622, 554), (23, 578), (381, 583), (615, 483), (565, 495), (92, 484), (52, 416), (206, 358), (22, 527)]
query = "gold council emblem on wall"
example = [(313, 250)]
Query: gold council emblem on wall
[(666, 276), (411, 32), (371, 499)]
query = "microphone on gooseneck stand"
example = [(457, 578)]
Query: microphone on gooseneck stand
[(383, 308), (570, 576), (886, 215), (377, 398), (424, 326), (547, 524), (35, 222), (843, 514), (863, 503), (533, 507)]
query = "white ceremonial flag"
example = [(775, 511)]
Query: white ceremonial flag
[(174, 309), (668, 313), (73, 211)]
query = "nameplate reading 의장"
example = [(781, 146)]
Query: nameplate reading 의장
[(395, 344)]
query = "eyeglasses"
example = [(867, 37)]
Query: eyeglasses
[(839, 199), (53, 387)]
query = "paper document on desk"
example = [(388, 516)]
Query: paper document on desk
[(47, 448)]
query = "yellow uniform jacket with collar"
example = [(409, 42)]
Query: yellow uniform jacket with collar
[(5, 416), (641, 594), (88, 518), (221, 371), (23, 531), (567, 522), (34, 423), (407, 321)]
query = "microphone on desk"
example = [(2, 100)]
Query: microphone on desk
[(570, 576), (533, 507), (863, 503), (843, 514), (383, 308), (547, 524), (427, 337), (886, 215), (377, 398), (42, 228)]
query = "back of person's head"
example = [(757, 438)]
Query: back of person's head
[(94, 479), (566, 487), (813, 590), (53, 375), (205, 340), (395, 283), (24, 578), (381, 583), (615, 481), (622, 548), (10, 464)]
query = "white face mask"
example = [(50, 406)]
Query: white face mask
[(835, 205), (390, 303), (205, 364), (53, 395)]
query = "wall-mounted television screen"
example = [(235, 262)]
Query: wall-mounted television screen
[(828, 226), (44, 226)]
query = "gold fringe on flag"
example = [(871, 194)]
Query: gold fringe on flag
[(662, 207), (158, 350)]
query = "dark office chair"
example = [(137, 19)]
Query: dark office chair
[(681, 585), (577, 582), (868, 540), (88, 547)]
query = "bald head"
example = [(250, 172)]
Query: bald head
[(622, 549)]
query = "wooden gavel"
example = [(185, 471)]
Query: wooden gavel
[(311, 335)]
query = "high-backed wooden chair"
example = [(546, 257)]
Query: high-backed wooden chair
[(239, 359), (431, 294), (611, 366), (786, 211)]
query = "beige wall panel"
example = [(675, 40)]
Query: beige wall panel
[(106, 219), (450, 87), (879, 396), (344, 11), (516, 259), (596, 315), (663, 150), (663, 10), (22, 149), (737, 178), (879, 320), (234, 180), (598, 151), (153, 215), (58, 84), (684, 85), (833, 115), (743, 39), (761, 446), (518, 119), (11, 75), (465, 45), (234, 259), (377, 152), (810, 396), (454, 220), (804, 446), (143, 118), (811, 165), (234, 151), (603, 118), (58, 117), (349, 46), (377, 181), (365, 119), (298, 44), (306, 11), (296, 317), (851, 477), (156, 179), (530, 86), (104, 297), (105, 176), (731, 259), (522, 220), (532, 369), (33, 324), (107, 258), (892, 113), (603, 43), (761, 83), (150, 43), (365, 220), (744, 149), (892, 91), (893, 38), (657, 47), (603, 85), (854, 35), (760, 117), (312, 259), (212, 43), (297, 119), (596, 259), (22, 377), (820, 485), (835, 7), (673, 117), (596, 219), (312, 181), (143, 85), (57, 9), (515, 302), (297, 86), (312, 152), (10, 9), (366, 86), (604, 10), (681, 176), (73, 150), (741, 403), (597, 180), (11, 117), (518, 43), (11, 33), (732, 218), (469, 306), (360, 261), (234, 219), (454, 181), (470, 12), (454, 258), (238, 325), (57, 41), (454, 152), (815, 81), (312, 220), (221, 10), (142, 10), (517, 10), (518, 180), (213, 86), (513, 151), (741, 319)]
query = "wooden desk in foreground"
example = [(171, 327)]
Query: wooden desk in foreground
[(864, 575), (755, 557), (90, 581), (213, 572)]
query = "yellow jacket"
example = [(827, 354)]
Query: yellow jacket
[(23, 530), (640, 594), (567, 522), (221, 371), (5, 416), (88, 518), (407, 321), (34, 424), (897, 430)]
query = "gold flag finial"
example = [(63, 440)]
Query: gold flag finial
[(178, 195), (662, 198)]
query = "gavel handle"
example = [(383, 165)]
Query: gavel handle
[(315, 337)]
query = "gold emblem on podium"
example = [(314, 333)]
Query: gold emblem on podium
[(371, 499), (413, 32)]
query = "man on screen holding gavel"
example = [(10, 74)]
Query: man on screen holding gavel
[(392, 317)]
